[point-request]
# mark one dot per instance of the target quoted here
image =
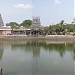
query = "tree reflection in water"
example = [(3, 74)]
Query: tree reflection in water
[(35, 47), (1, 50), (36, 55)]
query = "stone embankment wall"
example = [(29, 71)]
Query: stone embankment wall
[(47, 37)]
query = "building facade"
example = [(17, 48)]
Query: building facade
[(4, 30), (35, 28)]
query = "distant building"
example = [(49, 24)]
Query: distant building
[(1, 21), (5, 30), (35, 28)]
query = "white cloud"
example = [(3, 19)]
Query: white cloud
[(24, 6), (57, 1)]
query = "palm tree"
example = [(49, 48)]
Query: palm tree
[(61, 26)]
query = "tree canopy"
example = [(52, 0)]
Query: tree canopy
[(59, 28), (13, 25), (26, 23)]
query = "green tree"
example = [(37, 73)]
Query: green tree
[(61, 26), (62, 22), (13, 25), (46, 29), (26, 23)]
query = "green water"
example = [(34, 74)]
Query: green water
[(37, 57)]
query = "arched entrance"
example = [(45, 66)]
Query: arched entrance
[(36, 32)]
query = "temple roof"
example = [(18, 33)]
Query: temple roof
[(5, 28)]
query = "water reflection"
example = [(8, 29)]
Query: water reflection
[(1, 50), (37, 57), (35, 47)]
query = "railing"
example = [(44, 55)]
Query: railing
[(0, 71)]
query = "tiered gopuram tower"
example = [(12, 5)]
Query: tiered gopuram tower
[(36, 24), (1, 21)]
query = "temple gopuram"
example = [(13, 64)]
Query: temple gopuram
[(36, 26)]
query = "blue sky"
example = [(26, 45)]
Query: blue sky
[(49, 11)]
